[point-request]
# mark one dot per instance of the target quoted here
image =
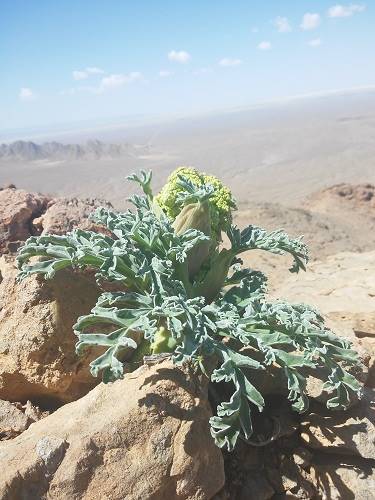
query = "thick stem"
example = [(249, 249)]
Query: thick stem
[(215, 278)]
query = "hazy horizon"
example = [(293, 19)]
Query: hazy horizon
[(281, 152), (94, 129)]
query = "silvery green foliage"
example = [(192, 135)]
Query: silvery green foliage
[(239, 329)]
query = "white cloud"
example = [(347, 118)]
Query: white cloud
[(180, 56), (264, 45), (164, 73), (282, 24), (80, 75), (94, 70), (227, 62), (26, 94), (106, 83), (345, 10), (310, 21), (315, 42), (117, 80), (84, 74)]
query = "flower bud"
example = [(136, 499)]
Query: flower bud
[(163, 341), (195, 216)]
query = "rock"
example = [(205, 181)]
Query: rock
[(17, 209), (65, 214), (343, 480), (256, 487), (289, 478), (25, 214), (356, 197), (51, 450), (146, 436), (13, 421), (351, 431), (33, 412), (15, 418), (343, 288), (37, 344), (342, 284)]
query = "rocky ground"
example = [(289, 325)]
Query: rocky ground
[(64, 436)]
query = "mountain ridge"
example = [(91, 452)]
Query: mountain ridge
[(91, 149)]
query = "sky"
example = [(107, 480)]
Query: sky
[(69, 61)]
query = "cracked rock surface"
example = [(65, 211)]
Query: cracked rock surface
[(145, 436)]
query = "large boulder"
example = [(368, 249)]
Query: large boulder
[(24, 214), (17, 210), (65, 214), (37, 343), (146, 436)]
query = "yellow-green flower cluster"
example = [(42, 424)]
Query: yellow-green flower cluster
[(221, 202)]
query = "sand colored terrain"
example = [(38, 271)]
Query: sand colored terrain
[(280, 153)]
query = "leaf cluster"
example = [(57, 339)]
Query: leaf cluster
[(222, 316)]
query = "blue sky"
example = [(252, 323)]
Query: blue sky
[(75, 60)]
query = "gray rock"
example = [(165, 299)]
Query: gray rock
[(51, 450)]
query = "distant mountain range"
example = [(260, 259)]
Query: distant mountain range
[(91, 150)]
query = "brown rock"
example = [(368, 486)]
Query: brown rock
[(342, 480), (15, 418), (17, 210), (289, 478), (37, 353), (65, 214), (13, 421), (357, 197), (351, 431), (342, 284), (145, 436), (343, 288)]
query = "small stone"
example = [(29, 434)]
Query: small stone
[(33, 412)]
